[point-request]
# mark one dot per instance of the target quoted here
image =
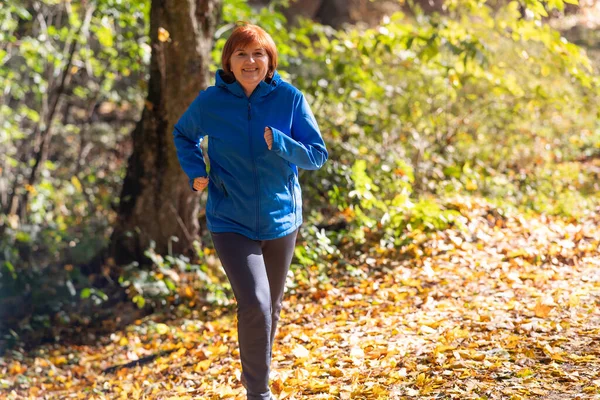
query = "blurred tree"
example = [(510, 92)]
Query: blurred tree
[(339, 12), (156, 202)]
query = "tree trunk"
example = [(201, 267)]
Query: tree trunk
[(157, 202)]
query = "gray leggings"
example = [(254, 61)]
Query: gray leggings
[(257, 272)]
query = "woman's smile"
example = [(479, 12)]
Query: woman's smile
[(250, 65)]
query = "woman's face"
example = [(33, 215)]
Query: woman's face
[(249, 66)]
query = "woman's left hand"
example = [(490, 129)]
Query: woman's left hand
[(269, 137)]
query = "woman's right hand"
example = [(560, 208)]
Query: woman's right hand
[(200, 183)]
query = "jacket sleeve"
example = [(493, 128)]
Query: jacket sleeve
[(305, 148), (188, 136)]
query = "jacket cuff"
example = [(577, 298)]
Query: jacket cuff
[(277, 140)]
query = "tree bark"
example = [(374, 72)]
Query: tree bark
[(156, 201)]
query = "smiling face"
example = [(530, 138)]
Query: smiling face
[(249, 65)]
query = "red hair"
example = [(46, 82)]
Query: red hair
[(246, 34)]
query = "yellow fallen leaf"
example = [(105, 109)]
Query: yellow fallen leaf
[(277, 385), (317, 386), (163, 34), (357, 352), (17, 368), (471, 355), (345, 395), (583, 359), (301, 374), (202, 366), (58, 361), (542, 309), (524, 373), (225, 391), (427, 330), (421, 379), (288, 393), (162, 329), (574, 300), (300, 351)]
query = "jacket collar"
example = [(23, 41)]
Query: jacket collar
[(233, 86)]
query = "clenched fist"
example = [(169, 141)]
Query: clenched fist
[(269, 137), (200, 183)]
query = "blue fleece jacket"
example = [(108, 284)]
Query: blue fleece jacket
[(252, 190)]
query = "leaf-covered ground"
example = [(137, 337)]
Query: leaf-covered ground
[(506, 308)]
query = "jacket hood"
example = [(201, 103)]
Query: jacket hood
[(232, 85)]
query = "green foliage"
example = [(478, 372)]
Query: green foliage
[(460, 99), (314, 259), (97, 295), (70, 209), (70, 206), (169, 274), (388, 207)]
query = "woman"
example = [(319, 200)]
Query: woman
[(261, 130)]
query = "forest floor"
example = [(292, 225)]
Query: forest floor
[(506, 307)]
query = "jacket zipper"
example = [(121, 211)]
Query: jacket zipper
[(256, 185)]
